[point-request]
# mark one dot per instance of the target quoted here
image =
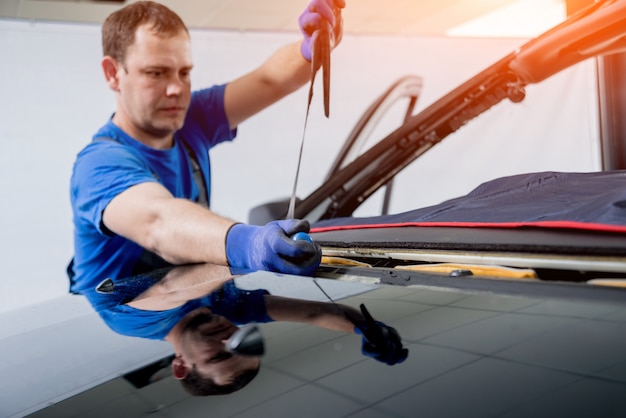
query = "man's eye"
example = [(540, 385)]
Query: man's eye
[(155, 74)]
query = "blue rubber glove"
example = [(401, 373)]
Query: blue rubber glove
[(271, 248), (317, 14), (380, 341)]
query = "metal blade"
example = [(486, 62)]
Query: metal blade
[(320, 58), (248, 341)]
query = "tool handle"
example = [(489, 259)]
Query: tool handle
[(301, 236), (369, 327), (323, 41)]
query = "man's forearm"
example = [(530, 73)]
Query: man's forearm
[(286, 69), (322, 314), (283, 73), (180, 285), (179, 230), (185, 232)]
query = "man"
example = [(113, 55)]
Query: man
[(196, 308), (140, 190)]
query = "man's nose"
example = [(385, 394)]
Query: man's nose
[(175, 86)]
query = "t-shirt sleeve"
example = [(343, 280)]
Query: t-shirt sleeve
[(103, 170), (239, 306), (206, 118)]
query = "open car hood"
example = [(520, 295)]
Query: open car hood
[(595, 31)]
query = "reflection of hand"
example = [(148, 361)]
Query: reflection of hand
[(320, 14), (380, 341), (271, 248)]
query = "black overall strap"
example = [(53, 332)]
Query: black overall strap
[(196, 171), (198, 177)]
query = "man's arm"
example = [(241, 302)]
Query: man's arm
[(178, 230), (183, 232), (379, 341), (322, 314), (286, 70), (181, 285), (282, 74)]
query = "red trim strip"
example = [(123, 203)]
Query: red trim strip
[(584, 226)]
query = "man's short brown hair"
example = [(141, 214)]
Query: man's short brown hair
[(118, 29), (197, 385)]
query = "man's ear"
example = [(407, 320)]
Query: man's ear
[(110, 67), (179, 368)]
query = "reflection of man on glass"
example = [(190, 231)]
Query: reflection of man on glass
[(195, 308), (202, 362)]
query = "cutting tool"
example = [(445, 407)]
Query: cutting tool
[(322, 43)]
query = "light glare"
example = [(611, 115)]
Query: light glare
[(523, 18)]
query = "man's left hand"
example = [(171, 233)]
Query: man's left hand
[(380, 341), (317, 14)]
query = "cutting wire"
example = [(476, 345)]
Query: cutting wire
[(322, 40)]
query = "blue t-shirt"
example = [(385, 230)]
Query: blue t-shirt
[(114, 161), (238, 306)]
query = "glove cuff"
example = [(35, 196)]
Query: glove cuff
[(305, 49), (238, 240)]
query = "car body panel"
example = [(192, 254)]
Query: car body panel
[(472, 352)]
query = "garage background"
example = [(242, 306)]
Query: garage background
[(55, 98)]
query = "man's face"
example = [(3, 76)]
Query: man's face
[(204, 344), (154, 85)]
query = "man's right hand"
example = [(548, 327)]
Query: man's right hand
[(272, 248)]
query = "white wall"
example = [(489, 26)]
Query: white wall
[(54, 98)]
